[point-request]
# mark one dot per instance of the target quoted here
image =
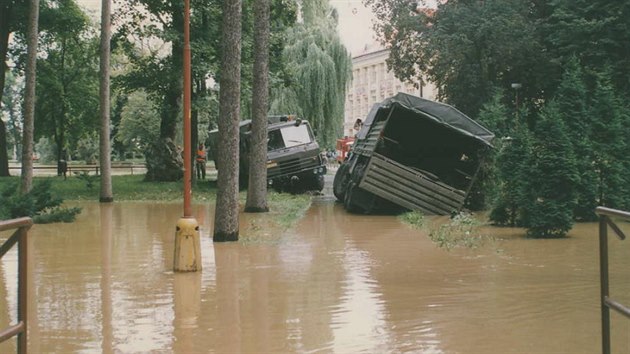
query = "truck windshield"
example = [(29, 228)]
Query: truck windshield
[(288, 136)]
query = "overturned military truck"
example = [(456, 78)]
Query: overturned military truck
[(412, 154), (294, 161)]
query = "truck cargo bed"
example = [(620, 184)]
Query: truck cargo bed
[(410, 188)]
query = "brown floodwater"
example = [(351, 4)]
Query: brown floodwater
[(335, 283)]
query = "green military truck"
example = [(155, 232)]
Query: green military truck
[(294, 161), (412, 154)]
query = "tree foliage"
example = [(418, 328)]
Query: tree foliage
[(550, 178), (150, 32), (321, 67), (572, 60), (609, 120), (467, 48), (139, 123), (573, 103), (39, 203), (67, 82), (597, 32)]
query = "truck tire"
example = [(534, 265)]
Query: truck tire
[(347, 200), (319, 183), (340, 183)]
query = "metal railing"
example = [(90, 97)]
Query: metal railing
[(21, 227), (606, 221)]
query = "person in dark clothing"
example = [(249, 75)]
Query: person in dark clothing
[(63, 168)]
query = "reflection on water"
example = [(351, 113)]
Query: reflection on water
[(335, 283)]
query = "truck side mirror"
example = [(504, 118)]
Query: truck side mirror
[(298, 122)]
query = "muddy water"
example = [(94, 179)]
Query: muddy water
[(335, 283)]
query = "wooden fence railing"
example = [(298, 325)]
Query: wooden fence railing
[(21, 227)]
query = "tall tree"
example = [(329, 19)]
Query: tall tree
[(573, 100), (597, 32), (12, 16), (12, 103), (139, 123), (105, 144), (320, 67), (149, 22), (466, 48), (511, 160), (29, 99), (551, 178), (67, 77), (257, 189), (6, 8), (494, 116), (609, 143), (226, 214)]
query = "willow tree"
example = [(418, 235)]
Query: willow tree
[(320, 66)]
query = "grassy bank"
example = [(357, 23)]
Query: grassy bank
[(285, 209), (125, 188)]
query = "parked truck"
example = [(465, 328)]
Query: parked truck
[(412, 154), (294, 161)]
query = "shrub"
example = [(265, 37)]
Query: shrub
[(38, 204)]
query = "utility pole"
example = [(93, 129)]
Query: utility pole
[(516, 86), (187, 244)]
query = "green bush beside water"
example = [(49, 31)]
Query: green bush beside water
[(41, 203), (462, 230)]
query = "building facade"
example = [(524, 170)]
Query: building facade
[(372, 83)]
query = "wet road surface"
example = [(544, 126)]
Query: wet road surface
[(335, 283)]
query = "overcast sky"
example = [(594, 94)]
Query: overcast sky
[(355, 22), (355, 25)]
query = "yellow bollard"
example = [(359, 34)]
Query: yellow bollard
[(187, 246)]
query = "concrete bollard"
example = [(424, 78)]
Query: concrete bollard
[(187, 246)]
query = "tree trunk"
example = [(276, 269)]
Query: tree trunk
[(226, 215), (4, 156), (104, 146), (257, 189), (5, 13), (161, 163), (29, 98)]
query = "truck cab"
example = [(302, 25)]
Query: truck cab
[(294, 161)]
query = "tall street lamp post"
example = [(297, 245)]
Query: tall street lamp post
[(187, 244), (516, 86)]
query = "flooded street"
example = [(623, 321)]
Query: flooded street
[(335, 283)]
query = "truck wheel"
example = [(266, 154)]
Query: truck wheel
[(319, 183), (340, 183), (347, 200)]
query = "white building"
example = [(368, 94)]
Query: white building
[(372, 83)]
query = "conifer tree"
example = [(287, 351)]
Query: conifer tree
[(511, 165), (550, 179), (494, 116), (609, 144), (572, 100)]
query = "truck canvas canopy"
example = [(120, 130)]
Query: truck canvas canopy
[(412, 153)]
